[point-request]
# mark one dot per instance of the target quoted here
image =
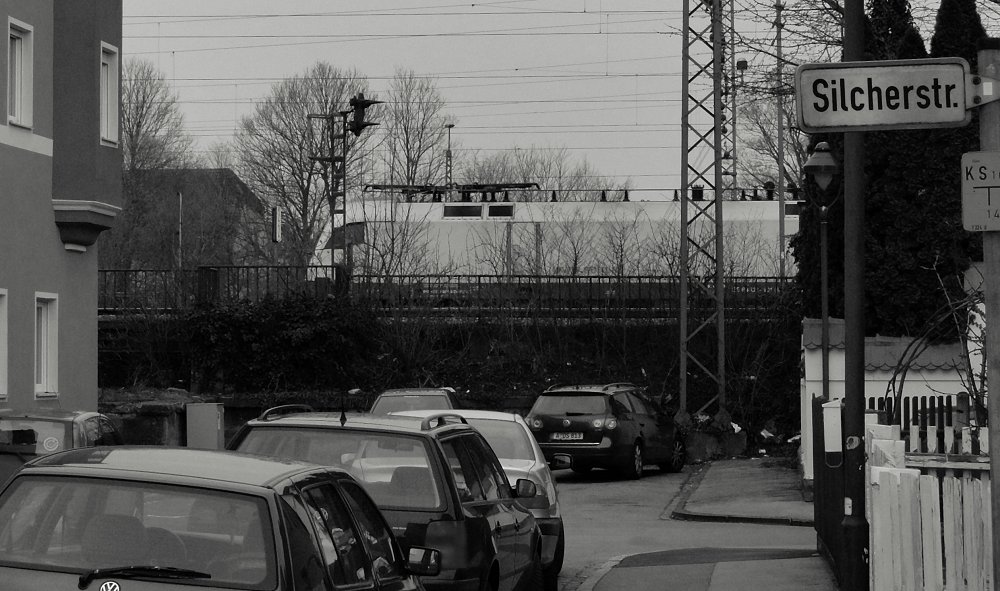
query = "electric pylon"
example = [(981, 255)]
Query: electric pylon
[(707, 179)]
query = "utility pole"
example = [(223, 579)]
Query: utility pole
[(180, 230), (780, 114), (989, 141), (855, 524), (447, 165)]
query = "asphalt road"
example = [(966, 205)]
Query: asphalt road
[(608, 517)]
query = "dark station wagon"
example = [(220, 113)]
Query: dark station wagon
[(436, 480)]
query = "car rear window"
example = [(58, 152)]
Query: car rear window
[(34, 436), (508, 439), (395, 469), (397, 403), (63, 523), (570, 404)]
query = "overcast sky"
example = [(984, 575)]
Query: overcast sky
[(600, 77)]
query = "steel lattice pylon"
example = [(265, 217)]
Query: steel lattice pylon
[(707, 175)]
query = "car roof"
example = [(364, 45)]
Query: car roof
[(590, 388), (161, 463), (493, 415), (391, 422), (49, 414), (415, 391)]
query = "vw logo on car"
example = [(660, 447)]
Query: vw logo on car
[(110, 586)]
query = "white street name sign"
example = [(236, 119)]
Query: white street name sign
[(981, 191), (896, 94)]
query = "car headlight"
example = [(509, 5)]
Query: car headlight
[(611, 423), (534, 422)]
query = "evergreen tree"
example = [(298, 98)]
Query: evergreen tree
[(913, 233)]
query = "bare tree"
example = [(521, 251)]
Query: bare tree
[(153, 138), (414, 129), (759, 148), (621, 248), (397, 240), (278, 143)]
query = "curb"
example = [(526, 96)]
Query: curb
[(682, 514)]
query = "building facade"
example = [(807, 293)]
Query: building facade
[(60, 187)]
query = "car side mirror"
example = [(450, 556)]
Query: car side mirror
[(525, 489), (425, 562)]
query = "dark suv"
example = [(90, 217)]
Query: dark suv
[(613, 426), (436, 480), (175, 519)]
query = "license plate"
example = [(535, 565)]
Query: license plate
[(567, 436)]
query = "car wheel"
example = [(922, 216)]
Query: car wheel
[(634, 468), (552, 571), (678, 454)]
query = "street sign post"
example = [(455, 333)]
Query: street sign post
[(981, 191), (895, 94)]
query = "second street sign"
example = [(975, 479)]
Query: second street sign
[(866, 96)]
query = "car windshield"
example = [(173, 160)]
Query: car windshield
[(395, 469), (508, 439), (398, 403), (570, 404), (74, 524)]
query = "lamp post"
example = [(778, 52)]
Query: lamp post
[(823, 168), (447, 162)]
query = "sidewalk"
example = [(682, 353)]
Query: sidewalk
[(745, 490)]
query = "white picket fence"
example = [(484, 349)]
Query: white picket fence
[(928, 504)]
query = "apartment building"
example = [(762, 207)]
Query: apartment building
[(60, 187)]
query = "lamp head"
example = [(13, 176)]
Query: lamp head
[(822, 165)]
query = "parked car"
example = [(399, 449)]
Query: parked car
[(613, 426), (435, 479), (521, 457), (400, 399), (25, 435), (175, 518)]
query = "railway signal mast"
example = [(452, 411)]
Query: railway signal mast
[(707, 174)]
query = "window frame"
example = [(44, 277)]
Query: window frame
[(110, 88), (4, 345), (46, 350), (20, 67)]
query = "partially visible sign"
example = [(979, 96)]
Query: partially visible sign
[(981, 191), (896, 94)]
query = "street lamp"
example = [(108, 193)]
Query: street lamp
[(447, 163), (823, 168)]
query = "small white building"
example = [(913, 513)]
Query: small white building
[(935, 371)]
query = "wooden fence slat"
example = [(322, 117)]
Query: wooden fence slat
[(909, 531), (953, 549), (949, 441), (966, 440), (987, 529), (969, 517), (932, 439), (930, 533), (881, 553)]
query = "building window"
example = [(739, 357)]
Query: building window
[(109, 93), (4, 349), (19, 73), (46, 345)]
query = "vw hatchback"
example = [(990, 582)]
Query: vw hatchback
[(611, 426), (171, 519)]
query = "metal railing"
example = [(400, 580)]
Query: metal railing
[(131, 291)]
